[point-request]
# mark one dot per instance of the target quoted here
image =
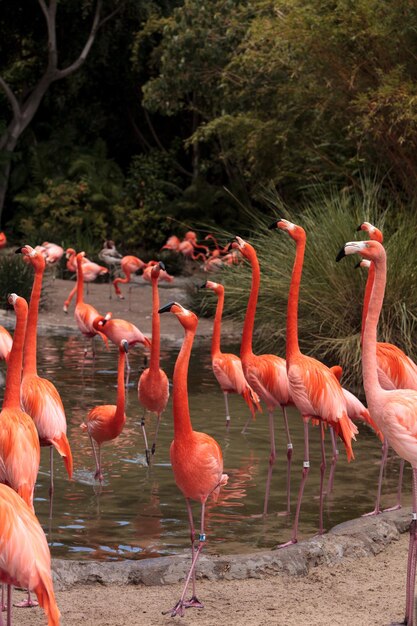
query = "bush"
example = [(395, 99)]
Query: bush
[(16, 277)]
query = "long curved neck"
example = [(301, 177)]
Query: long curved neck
[(14, 366), (292, 347), (156, 333), (29, 360), (120, 405), (80, 282), (367, 296), (247, 334), (215, 340), (369, 360), (182, 421)]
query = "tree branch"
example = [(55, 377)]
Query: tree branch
[(11, 98)]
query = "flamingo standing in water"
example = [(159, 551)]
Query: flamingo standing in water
[(129, 265), (227, 367), (395, 369), (106, 422), (153, 386), (265, 373), (314, 388), (84, 313), (25, 560), (40, 398), (395, 410), (19, 441), (196, 458)]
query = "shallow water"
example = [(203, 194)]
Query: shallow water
[(140, 513)]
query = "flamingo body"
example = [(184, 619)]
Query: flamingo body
[(153, 390), (102, 425), (118, 329)]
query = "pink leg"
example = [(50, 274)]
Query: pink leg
[(51, 483), (334, 461), (322, 472), (306, 469), (142, 425), (399, 489), (243, 431), (193, 602), (272, 458), (226, 402), (68, 300), (377, 509), (158, 422), (412, 559), (98, 475), (289, 458), (2, 603), (25, 604), (9, 605)]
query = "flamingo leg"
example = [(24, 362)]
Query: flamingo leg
[(272, 458), (243, 431), (304, 476), (25, 604), (9, 605), (377, 509), (289, 458), (2, 602), (399, 488), (192, 536), (193, 601), (334, 461), (226, 402), (97, 474), (51, 479), (412, 559), (322, 472), (158, 422), (142, 425), (128, 369)]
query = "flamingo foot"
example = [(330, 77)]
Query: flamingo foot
[(371, 513), (65, 308), (99, 476), (148, 457), (397, 507), (177, 610), (227, 423), (193, 602), (26, 604), (291, 542), (153, 449), (121, 297)]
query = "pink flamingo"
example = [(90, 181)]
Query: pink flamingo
[(265, 373), (163, 274), (172, 243), (129, 265), (90, 272), (153, 386), (394, 411), (6, 342), (196, 458), (315, 390), (84, 313), (106, 422), (227, 367)]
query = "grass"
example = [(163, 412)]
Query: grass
[(16, 277), (331, 293)]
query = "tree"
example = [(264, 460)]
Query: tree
[(25, 98)]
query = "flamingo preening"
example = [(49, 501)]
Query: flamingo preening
[(314, 388), (129, 265), (227, 367), (196, 458), (153, 386), (106, 422), (394, 410)]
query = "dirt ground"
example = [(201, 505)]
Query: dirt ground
[(363, 592)]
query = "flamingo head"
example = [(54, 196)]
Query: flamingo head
[(17, 302), (245, 248), (295, 232), (369, 250), (124, 346), (69, 252), (156, 269), (216, 287), (190, 235), (187, 319), (373, 232), (33, 256)]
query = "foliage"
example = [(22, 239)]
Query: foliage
[(17, 277), (331, 294)]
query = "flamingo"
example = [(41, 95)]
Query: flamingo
[(40, 398), (265, 373), (6, 342), (54, 253), (172, 243), (196, 458), (91, 271), (163, 274), (129, 265), (227, 367), (25, 560), (153, 386), (111, 257), (106, 422), (19, 441), (395, 369), (3, 240), (84, 313), (118, 329), (314, 388), (394, 410), (71, 257)]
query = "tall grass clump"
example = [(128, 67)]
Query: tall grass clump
[(331, 293), (16, 277)]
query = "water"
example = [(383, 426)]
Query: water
[(140, 513)]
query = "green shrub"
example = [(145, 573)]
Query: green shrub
[(17, 277)]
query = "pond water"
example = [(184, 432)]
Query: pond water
[(140, 513)]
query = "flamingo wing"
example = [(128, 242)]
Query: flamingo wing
[(399, 422), (395, 369)]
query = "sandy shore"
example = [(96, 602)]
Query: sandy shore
[(357, 592)]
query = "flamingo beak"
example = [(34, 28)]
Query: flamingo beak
[(162, 265), (273, 226), (166, 308), (340, 254), (203, 286)]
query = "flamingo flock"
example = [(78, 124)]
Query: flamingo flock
[(33, 413)]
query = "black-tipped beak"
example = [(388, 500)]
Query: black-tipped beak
[(19, 250), (166, 307), (162, 265), (359, 227), (229, 245), (273, 226), (357, 266), (126, 346), (203, 286), (340, 255)]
